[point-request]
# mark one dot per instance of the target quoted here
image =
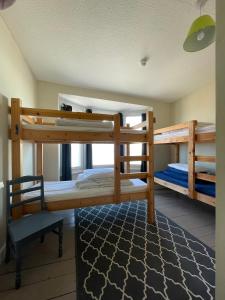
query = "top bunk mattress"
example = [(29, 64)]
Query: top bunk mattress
[(79, 128), (66, 190), (202, 128)]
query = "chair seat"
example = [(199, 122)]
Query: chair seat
[(27, 226)]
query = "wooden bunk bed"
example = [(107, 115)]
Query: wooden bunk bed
[(33, 125), (190, 135)]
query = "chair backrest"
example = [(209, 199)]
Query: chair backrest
[(11, 191)]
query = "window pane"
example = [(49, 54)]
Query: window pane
[(135, 149), (103, 154), (133, 120), (76, 155)]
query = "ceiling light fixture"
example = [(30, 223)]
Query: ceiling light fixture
[(202, 32), (6, 3), (144, 61)]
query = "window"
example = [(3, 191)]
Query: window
[(103, 154), (135, 149), (76, 155), (76, 149)]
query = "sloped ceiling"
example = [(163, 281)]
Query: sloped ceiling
[(99, 43)]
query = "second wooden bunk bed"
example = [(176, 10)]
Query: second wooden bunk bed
[(191, 139), (117, 136)]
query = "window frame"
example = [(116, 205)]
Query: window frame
[(77, 107)]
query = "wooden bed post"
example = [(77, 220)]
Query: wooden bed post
[(191, 159), (150, 168), (128, 154), (117, 158), (16, 151), (39, 157)]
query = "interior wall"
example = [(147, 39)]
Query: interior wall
[(201, 106), (48, 98), (220, 143), (16, 80)]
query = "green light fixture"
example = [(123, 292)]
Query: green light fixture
[(201, 34)]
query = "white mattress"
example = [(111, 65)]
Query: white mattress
[(83, 123), (66, 190), (78, 128), (185, 132)]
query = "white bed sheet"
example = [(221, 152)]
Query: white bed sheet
[(78, 128), (66, 190), (185, 132)]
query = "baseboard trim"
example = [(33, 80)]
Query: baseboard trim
[(2, 253)]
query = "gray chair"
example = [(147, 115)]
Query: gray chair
[(27, 228)]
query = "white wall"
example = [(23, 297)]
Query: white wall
[(3, 167), (220, 118), (16, 80), (201, 106), (48, 98)]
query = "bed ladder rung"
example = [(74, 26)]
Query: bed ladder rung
[(134, 158), (140, 175), (205, 158), (206, 177)]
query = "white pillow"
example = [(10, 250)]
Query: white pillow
[(84, 123), (96, 173), (184, 167), (98, 170)]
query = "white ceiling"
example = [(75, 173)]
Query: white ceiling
[(99, 43)]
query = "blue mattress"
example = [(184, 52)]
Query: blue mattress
[(181, 178)]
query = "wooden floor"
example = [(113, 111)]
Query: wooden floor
[(197, 218), (45, 276)]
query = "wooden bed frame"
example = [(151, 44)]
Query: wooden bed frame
[(191, 140), (38, 137)]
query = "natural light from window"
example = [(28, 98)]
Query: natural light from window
[(76, 155), (135, 149), (103, 154)]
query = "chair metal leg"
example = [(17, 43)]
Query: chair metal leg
[(18, 268), (60, 240), (7, 253)]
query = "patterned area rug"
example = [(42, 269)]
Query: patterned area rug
[(120, 256)]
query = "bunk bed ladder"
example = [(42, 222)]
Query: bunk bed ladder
[(127, 158)]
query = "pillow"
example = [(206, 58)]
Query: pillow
[(96, 173), (184, 167), (98, 170), (84, 123)]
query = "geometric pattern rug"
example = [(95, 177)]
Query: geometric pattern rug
[(120, 256)]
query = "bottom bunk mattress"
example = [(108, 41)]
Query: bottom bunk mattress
[(66, 190), (180, 178)]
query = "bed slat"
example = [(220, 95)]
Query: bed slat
[(172, 128), (206, 177), (202, 158), (140, 175), (134, 158)]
